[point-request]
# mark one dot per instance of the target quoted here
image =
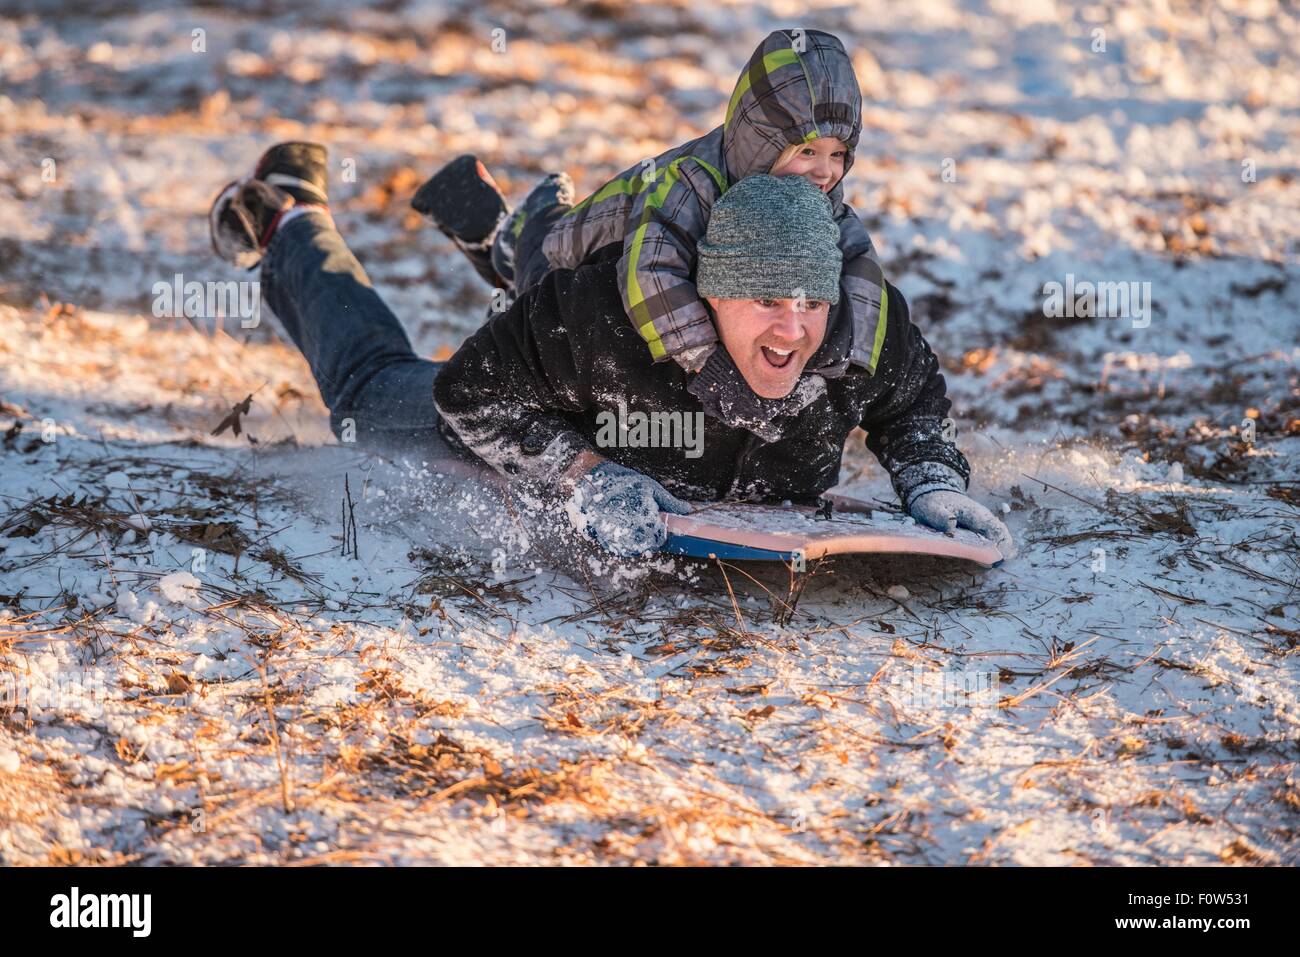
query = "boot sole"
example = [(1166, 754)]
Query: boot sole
[(462, 200)]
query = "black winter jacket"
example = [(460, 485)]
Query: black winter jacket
[(525, 394)]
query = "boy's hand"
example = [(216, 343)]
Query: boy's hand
[(947, 511), (618, 507)]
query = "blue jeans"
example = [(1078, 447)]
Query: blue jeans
[(358, 351)]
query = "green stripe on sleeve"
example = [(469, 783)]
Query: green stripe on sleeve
[(882, 323), (635, 298), (615, 187)]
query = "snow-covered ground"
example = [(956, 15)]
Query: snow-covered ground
[(193, 671)]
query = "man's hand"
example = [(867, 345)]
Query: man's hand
[(947, 511), (619, 508)]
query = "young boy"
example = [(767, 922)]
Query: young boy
[(796, 110)]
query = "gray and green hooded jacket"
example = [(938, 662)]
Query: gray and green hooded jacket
[(798, 85)]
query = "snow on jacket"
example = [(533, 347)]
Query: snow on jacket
[(798, 85), (535, 385)]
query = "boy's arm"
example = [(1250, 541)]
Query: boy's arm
[(905, 424), (504, 390), (861, 288), (854, 239), (667, 220)]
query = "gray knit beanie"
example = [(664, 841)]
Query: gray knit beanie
[(770, 237)]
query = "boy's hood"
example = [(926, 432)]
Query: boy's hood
[(798, 85)]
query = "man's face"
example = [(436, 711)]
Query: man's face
[(771, 340)]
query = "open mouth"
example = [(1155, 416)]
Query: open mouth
[(777, 358)]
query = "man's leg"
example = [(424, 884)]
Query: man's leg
[(375, 386)]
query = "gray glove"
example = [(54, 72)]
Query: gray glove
[(619, 507), (946, 511)]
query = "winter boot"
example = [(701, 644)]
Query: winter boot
[(247, 212), (299, 169), (464, 202)]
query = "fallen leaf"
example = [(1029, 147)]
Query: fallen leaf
[(231, 421)]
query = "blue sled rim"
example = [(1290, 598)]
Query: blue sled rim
[(691, 546), (694, 547)]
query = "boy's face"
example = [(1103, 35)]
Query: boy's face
[(820, 162), (771, 340)]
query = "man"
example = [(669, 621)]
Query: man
[(528, 393)]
